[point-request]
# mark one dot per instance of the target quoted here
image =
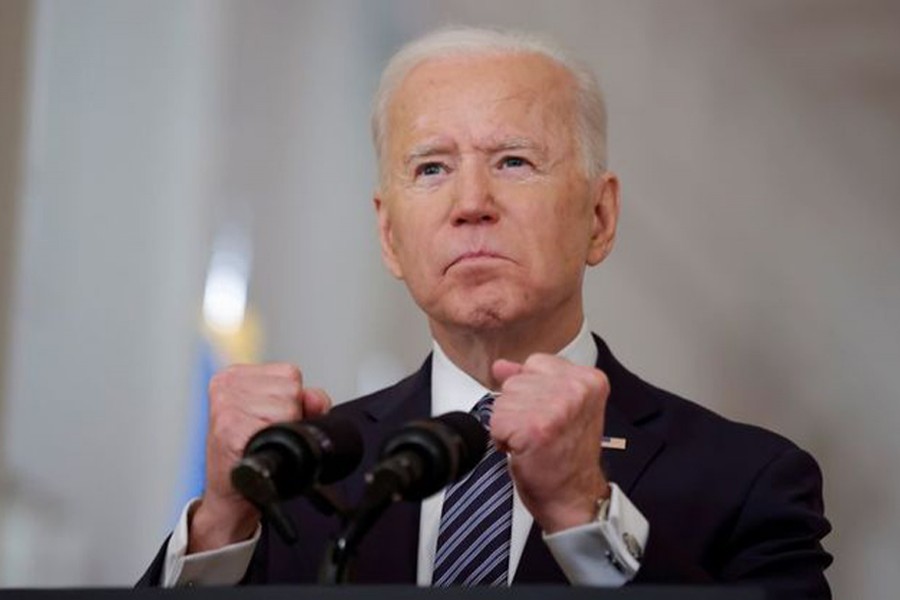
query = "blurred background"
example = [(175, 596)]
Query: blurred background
[(184, 183)]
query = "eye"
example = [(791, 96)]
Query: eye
[(430, 169), (513, 162)]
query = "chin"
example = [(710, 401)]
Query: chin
[(482, 315), (484, 320), (482, 308)]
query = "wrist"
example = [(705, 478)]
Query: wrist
[(584, 509), (212, 525)]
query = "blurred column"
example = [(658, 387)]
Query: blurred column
[(25, 516), (14, 21), (111, 247)]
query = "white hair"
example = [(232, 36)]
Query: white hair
[(473, 41)]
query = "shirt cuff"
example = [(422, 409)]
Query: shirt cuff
[(606, 552), (223, 566)]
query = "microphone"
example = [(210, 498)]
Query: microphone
[(414, 463), (424, 456), (287, 459)]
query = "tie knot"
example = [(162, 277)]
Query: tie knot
[(483, 410)]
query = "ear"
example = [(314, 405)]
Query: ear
[(605, 209), (386, 237)]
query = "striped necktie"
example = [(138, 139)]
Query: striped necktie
[(476, 521)]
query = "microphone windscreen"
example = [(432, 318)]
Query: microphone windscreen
[(433, 453), (341, 444), (320, 450), (472, 437)]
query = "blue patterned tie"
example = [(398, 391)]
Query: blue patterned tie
[(476, 521)]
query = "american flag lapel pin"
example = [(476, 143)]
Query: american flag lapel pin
[(613, 443)]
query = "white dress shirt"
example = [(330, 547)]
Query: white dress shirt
[(594, 554)]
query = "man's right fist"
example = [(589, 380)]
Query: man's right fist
[(242, 400)]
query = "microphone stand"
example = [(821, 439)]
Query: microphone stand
[(263, 493), (416, 462), (382, 490)]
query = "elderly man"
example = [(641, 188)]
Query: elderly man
[(493, 199)]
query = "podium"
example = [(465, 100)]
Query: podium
[(390, 592)]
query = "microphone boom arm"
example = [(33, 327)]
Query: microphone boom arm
[(416, 462)]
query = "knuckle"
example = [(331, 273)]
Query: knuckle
[(222, 421), (314, 400), (537, 360), (506, 387), (217, 398), (599, 380), (541, 432), (218, 383), (592, 380), (289, 372), (579, 387), (293, 388), (224, 379)]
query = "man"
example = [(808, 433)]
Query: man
[(493, 199)]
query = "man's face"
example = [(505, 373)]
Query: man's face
[(485, 210)]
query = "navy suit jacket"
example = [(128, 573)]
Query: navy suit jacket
[(726, 502)]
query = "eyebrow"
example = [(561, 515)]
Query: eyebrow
[(514, 143), (439, 147), (427, 149)]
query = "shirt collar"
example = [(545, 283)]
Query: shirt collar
[(454, 389)]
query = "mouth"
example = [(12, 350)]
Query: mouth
[(475, 257)]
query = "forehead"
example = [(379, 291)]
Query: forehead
[(472, 98)]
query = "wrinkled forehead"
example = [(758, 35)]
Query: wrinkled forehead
[(476, 97)]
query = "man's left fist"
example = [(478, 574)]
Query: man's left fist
[(549, 418)]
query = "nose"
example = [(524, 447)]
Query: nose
[(474, 201)]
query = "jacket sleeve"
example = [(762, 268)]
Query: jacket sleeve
[(773, 542), (153, 575)]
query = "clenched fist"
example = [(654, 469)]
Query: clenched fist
[(242, 400), (549, 418)]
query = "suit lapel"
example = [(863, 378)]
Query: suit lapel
[(389, 553), (630, 405), (625, 467)]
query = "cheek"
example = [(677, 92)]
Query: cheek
[(559, 221), (561, 242), (413, 241)]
